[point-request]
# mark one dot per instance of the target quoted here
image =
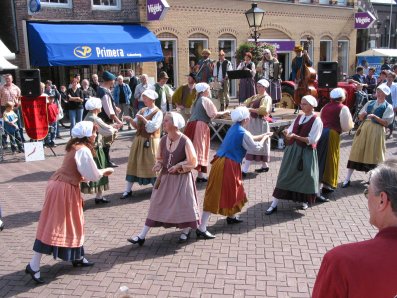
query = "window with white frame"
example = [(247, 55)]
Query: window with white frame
[(169, 64), (56, 3), (325, 50), (106, 4), (343, 58)]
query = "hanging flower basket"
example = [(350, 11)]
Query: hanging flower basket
[(255, 50)]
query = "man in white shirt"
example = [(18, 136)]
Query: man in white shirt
[(220, 74)]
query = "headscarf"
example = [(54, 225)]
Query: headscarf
[(201, 87), (93, 103), (82, 129), (150, 94), (264, 83), (177, 119), (338, 93), (384, 88), (239, 114), (311, 100)]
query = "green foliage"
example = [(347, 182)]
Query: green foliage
[(255, 50)]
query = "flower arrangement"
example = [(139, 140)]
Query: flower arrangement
[(255, 50)]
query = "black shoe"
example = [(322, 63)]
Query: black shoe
[(111, 164), (29, 270), (199, 180), (81, 263), (271, 210), (183, 240), (261, 170), (296, 111), (233, 220), (124, 196), (244, 174), (205, 235), (346, 184), (101, 200), (139, 241), (321, 199), (326, 190)]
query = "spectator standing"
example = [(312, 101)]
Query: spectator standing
[(88, 92), (122, 96), (140, 88), (75, 99), (164, 101), (95, 82), (52, 112), (367, 268)]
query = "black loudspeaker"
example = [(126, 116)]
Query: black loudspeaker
[(327, 74), (30, 82)]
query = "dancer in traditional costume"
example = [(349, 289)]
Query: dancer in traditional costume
[(174, 198), (203, 110), (94, 106), (298, 176), (225, 192), (369, 143), (336, 118), (60, 231), (145, 145), (259, 106)]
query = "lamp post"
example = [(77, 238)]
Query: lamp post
[(255, 17)]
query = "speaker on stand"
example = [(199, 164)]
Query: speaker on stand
[(327, 74), (30, 82)]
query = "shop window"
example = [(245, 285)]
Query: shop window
[(169, 47), (325, 50), (342, 2), (56, 3), (305, 1), (106, 4), (324, 2), (228, 45), (196, 46), (343, 58)]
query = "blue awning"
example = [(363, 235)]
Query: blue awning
[(84, 44)]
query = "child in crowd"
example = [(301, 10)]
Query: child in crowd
[(52, 111), (11, 127)]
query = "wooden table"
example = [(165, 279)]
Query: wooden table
[(281, 117)]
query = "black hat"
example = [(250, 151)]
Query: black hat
[(193, 75)]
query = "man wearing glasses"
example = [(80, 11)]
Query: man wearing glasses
[(367, 268)]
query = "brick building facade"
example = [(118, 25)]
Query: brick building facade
[(190, 26)]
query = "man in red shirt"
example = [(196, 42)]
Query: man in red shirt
[(367, 268), (52, 112)]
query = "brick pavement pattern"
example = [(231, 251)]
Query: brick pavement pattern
[(265, 256)]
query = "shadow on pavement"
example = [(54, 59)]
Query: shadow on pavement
[(31, 177), (22, 219)]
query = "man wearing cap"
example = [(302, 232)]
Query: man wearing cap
[(163, 102), (220, 75), (109, 110), (184, 96), (298, 64), (144, 148), (298, 176), (369, 143), (259, 106), (204, 67), (367, 268), (336, 119)]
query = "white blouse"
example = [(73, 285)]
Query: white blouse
[(86, 165), (315, 132), (249, 144), (154, 124)]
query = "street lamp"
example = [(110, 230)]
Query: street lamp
[(255, 17)]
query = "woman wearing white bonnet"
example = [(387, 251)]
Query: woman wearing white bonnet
[(336, 118), (197, 129), (298, 175), (260, 106), (173, 202), (63, 235), (225, 193), (144, 147), (94, 106), (369, 143)]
